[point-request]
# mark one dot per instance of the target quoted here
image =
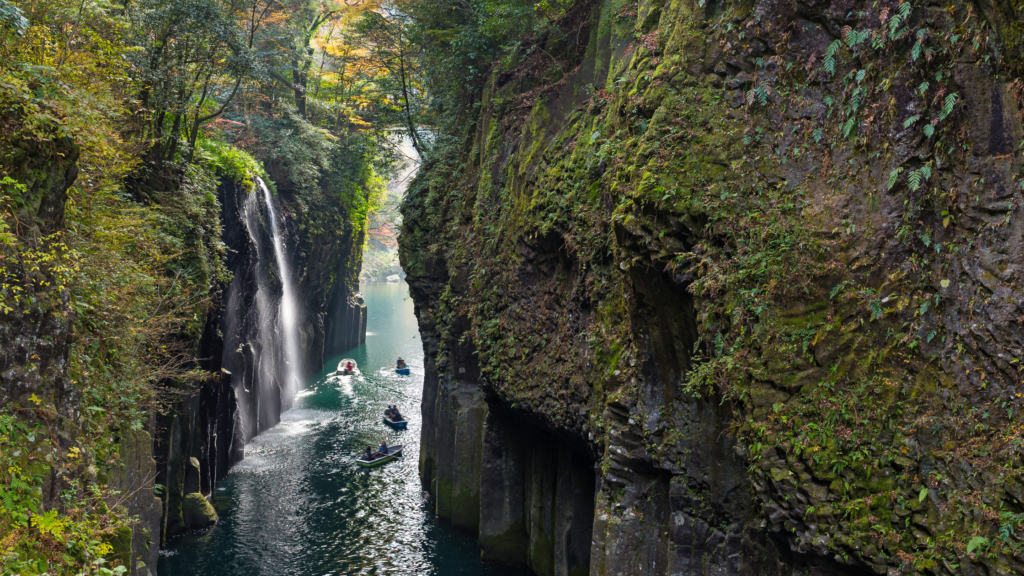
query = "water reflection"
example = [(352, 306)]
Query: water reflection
[(299, 505)]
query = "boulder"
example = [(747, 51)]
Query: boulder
[(197, 512)]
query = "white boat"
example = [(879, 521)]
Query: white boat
[(376, 459), (343, 369)]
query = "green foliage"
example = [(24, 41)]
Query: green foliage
[(455, 46), (229, 162), (976, 543), (1008, 525), (35, 542), (829, 60), (12, 19)]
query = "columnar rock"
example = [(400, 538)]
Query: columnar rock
[(503, 533), (754, 270)]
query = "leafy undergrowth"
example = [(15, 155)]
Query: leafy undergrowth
[(69, 541), (131, 281)]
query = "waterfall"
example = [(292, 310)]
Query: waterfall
[(260, 324), (288, 316)]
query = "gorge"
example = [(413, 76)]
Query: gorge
[(701, 287), (259, 360)]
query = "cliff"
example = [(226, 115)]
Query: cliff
[(159, 306), (39, 376), (732, 288)]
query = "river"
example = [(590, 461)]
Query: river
[(299, 505)]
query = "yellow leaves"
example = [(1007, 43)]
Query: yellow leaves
[(50, 523), (35, 400), (74, 453)]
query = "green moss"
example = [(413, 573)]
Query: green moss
[(230, 163), (120, 541), (533, 137), (542, 554), (445, 502), (510, 546), (197, 512), (465, 509)]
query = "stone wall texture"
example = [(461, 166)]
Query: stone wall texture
[(732, 288)]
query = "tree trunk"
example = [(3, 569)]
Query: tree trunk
[(299, 87)]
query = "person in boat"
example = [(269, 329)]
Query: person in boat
[(395, 414), (368, 454), (401, 364), (388, 412), (383, 448), (349, 367)]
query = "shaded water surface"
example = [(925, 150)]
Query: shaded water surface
[(299, 505)]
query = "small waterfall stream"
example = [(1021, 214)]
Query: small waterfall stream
[(288, 312), (266, 338)]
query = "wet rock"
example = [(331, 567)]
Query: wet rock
[(197, 512)]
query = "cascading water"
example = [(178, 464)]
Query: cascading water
[(288, 312), (261, 325)]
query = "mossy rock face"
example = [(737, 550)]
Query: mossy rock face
[(443, 490), (726, 221), (197, 512), (510, 546), (121, 543)]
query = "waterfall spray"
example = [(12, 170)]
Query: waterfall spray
[(288, 312), (260, 323)]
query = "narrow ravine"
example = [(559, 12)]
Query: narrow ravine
[(299, 505)]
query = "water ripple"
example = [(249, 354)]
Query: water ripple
[(299, 505)]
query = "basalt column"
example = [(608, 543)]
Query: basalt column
[(346, 322), (524, 491)]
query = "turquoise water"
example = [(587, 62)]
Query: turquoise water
[(299, 505)]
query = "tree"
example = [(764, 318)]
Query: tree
[(394, 67)]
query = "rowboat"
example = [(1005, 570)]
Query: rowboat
[(403, 371), (342, 371), (393, 453), (396, 424)]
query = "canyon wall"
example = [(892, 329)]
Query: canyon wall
[(732, 288), (36, 337)]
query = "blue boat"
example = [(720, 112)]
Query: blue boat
[(396, 424), (402, 371)]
